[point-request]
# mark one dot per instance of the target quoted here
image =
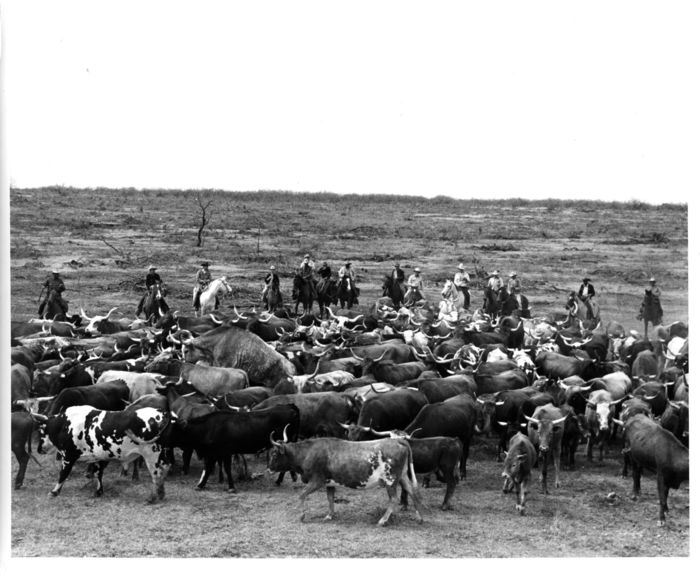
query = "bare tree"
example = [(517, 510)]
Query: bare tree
[(206, 218)]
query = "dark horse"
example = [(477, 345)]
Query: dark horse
[(393, 289), (54, 307), (493, 300), (327, 294), (346, 293), (304, 293), (511, 306), (154, 305), (650, 311)]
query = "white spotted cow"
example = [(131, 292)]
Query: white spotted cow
[(101, 436)]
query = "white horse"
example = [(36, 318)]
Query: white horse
[(451, 293), (207, 300)]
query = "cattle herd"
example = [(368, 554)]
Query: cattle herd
[(351, 399)]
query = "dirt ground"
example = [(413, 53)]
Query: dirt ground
[(103, 241)]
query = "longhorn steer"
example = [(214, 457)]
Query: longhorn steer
[(330, 461), (386, 411), (599, 417), (100, 436), (233, 347), (545, 430)]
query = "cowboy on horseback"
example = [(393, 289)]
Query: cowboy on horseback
[(202, 279), (306, 273), (348, 272), (461, 281), (151, 279), (650, 309), (272, 281), (415, 287), (585, 292), (54, 287), (324, 273)]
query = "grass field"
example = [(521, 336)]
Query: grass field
[(103, 240)]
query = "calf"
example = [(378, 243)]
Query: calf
[(653, 448), (545, 430), (519, 460), (331, 461), (101, 436)]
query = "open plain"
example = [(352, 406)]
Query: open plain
[(103, 241)]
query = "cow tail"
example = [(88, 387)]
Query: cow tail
[(412, 476)]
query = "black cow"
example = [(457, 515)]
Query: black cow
[(651, 447), (456, 417), (504, 381), (386, 411), (556, 366), (320, 413), (437, 390), (219, 435), (112, 396), (22, 427)]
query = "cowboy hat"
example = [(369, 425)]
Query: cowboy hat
[(586, 279), (652, 280), (460, 266), (417, 269), (272, 266), (151, 267), (55, 271), (512, 274), (205, 263), (307, 256)]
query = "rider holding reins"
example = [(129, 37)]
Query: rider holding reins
[(306, 273), (151, 279), (54, 287), (461, 281), (203, 278), (585, 292)]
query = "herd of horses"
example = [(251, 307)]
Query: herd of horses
[(326, 292)]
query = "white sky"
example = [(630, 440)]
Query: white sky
[(470, 99)]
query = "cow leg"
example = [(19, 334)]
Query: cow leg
[(543, 471), (135, 472), (66, 467), (404, 499), (451, 479), (410, 487), (209, 464), (330, 494), (226, 461), (520, 496), (463, 462), (312, 486), (280, 478), (636, 479), (158, 468), (391, 491), (100, 469), (663, 498), (589, 447), (22, 459), (557, 463), (186, 459)]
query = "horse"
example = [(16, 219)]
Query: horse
[(411, 298), (346, 293), (454, 294), (54, 307), (273, 299), (516, 305), (303, 292), (207, 300), (579, 309), (493, 300), (327, 294), (393, 289), (154, 305), (650, 311)]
